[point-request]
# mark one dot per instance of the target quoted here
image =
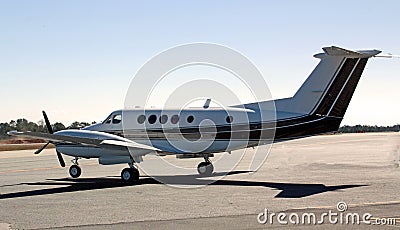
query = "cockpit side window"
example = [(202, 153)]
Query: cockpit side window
[(117, 118)]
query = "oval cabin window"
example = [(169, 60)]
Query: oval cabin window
[(163, 119), (152, 119), (174, 119), (141, 119), (229, 119), (190, 119)]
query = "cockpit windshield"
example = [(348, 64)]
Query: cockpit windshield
[(114, 118)]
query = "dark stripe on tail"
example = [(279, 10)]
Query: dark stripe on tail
[(336, 87), (340, 107)]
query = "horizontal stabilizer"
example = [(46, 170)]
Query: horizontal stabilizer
[(341, 52), (337, 51)]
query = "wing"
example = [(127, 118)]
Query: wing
[(84, 137)]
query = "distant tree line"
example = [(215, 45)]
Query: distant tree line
[(368, 128), (24, 125)]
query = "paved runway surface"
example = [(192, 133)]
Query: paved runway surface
[(308, 175)]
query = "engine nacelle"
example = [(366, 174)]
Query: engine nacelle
[(90, 152)]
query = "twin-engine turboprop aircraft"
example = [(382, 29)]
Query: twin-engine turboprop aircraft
[(317, 107)]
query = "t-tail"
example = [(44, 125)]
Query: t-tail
[(329, 88), (321, 102)]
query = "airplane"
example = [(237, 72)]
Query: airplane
[(317, 107)]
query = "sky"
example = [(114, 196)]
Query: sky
[(76, 59)]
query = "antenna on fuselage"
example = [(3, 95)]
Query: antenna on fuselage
[(207, 104)]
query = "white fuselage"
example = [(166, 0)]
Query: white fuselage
[(190, 130)]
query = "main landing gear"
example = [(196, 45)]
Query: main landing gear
[(75, 171), (130, 174), (205, 168)]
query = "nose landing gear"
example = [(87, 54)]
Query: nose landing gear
[(75, 171)]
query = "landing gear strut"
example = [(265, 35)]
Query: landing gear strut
[(205, 168), (130, 174)]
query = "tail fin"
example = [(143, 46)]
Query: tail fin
[(329, 88)]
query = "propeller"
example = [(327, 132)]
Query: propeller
[(60, 158), (50, 129), (41, 149), (48, 125)]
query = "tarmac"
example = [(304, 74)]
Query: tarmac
[(340, 174)]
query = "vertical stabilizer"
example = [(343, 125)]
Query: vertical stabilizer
[(329, 88)]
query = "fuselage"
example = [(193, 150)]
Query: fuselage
[(211, 130), (190, 130)]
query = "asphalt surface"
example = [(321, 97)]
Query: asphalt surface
[(310, 175)]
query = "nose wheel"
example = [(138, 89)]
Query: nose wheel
[(205, 168), (75, 171)]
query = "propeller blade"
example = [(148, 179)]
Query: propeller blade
[(41, 149), (48, 125), (60, 159), (46, 120)]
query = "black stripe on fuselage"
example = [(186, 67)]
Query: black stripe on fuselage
[(298, 127)]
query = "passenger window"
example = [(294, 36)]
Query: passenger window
[(190, 119), (174, 119), (163, 119), (229, 119), (141, 119), (152, 119), (117, 119)]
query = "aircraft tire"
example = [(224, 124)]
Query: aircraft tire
[(75, 171), (130, 175), (205, 168)]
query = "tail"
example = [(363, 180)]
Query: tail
[(321, 102), (329, 88)]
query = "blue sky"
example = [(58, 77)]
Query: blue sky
[(75, 59)]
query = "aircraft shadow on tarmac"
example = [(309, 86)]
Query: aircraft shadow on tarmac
[(67, 185)]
